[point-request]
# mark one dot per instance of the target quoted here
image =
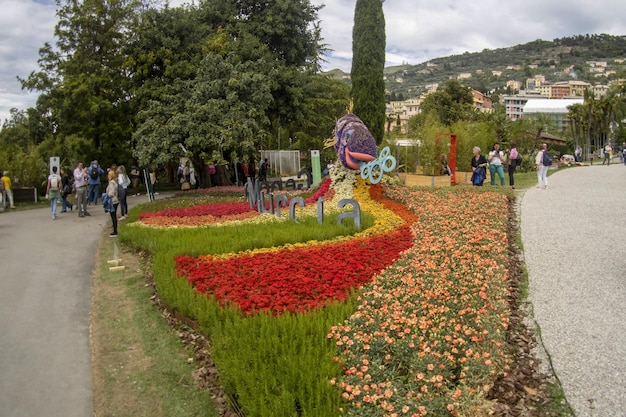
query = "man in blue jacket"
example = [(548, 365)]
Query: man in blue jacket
[(93, 173)]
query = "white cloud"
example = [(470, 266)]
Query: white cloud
[(416, 30)]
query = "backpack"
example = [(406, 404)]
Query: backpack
[(93, 173), (546, 159), (54, 182)]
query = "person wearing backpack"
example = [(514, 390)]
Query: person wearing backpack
[(53, 190), (93, 172), (543, 161)]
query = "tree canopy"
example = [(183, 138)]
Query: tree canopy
[(129, 82), (368, 64)]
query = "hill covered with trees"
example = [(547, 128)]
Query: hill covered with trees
[(488, 71)]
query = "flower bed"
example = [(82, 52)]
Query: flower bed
[(428, 332), (424, 338), (211, 209), (297, 279)]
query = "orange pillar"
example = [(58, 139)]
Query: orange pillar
[(453, 159)]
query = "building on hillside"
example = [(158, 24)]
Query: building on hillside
[(578, 88), (464, 76), (514, 105), (482, 102), (559, 90), (556, 109), (515, 85), (496, 73), (402, 111), (600, 90)]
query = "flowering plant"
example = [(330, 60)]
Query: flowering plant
[(428, 331), (294, 279)]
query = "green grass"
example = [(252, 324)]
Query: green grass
[(236, 238), (140, 366)]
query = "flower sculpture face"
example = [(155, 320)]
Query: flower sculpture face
[(354, 142)]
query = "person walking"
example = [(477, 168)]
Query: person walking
[(542, 163), (479, 167), (80, 186), (513, 155), (496, 159), (6, 181), (623, 153), (94, 172), (53, 190), (123, 182), (66, 190), (112, 193), (607, 154)]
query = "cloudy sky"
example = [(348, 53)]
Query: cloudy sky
[(417, 30)]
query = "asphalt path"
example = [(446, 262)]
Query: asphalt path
[(46, 274), (574, 237)]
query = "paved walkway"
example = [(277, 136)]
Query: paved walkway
[(45, 301), (574, 237)]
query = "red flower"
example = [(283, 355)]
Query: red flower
[(213, 209), (294, 279)]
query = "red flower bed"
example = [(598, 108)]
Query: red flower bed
[(321, 192), (213, 209), (297, 279)]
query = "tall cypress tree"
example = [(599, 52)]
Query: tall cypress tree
[(368, 64)]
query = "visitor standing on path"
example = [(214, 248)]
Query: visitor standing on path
[(53, 190), (6, 181), (80, 186), (496, 160), (94, 171), (542, 166), (607, 154), (112, 193), (123, 182), (513, 156), (66, 190)]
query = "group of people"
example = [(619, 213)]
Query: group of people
[(608, 153), (248, 169), (495, 162), (84, 183)]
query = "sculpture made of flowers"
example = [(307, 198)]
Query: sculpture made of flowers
[(356, 148)]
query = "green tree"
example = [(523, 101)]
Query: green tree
[(326, 101), (84, 88), (451, 102), (368, 64), (224, 109)]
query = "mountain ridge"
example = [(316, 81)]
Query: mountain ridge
[(596, 58)]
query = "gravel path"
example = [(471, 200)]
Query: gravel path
[(574, 237), (45, 300)]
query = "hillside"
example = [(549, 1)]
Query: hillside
[(579, 57)]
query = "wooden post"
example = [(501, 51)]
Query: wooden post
[(453, 159)]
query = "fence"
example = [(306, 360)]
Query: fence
[(283, 163)]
